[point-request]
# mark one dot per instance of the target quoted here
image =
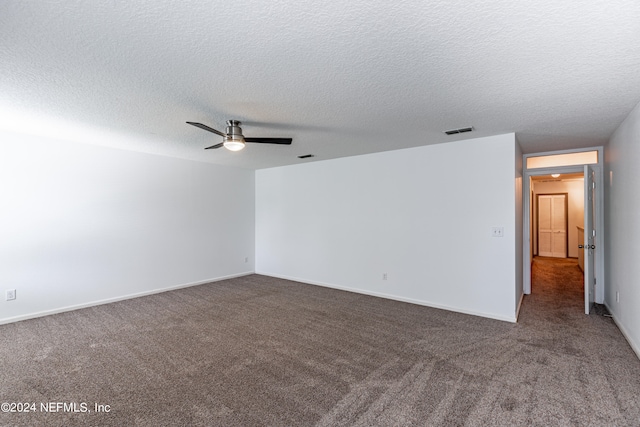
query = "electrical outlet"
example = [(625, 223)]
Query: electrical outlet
[(384, 276), (11, 294), (617, 296), (246, 259), (497, 231)]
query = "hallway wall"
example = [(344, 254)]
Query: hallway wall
[(622, 205)]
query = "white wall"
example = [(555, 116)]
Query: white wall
[(575, 201), (82, 224), (622, 208), (421, 215)]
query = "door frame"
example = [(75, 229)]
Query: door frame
[(566, 221), (590, 234), (527, 206)]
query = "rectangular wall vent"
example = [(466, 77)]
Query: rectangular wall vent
[(460, 130)]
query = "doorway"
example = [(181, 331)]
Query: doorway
[(557, 215), (571, 169)]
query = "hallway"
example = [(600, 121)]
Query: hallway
[(558, 284)]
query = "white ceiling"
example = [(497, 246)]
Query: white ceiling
[(340, 78)]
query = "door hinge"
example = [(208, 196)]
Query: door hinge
[(593, 233), (593, 185)]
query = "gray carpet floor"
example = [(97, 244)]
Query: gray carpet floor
[(258, 351)]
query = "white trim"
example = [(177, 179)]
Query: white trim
[(115, 299), (391, 297), (634, 346), (519, 305), (601, 234)]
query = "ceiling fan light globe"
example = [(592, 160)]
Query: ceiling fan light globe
[(234, 144)]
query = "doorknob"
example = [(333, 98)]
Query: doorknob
[(586, 246)]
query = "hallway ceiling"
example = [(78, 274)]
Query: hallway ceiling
[(340, 78), (562, 177)]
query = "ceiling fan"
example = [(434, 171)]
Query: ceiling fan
[(233, 138)]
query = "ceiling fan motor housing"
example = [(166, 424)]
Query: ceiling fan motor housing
[(234, 131)]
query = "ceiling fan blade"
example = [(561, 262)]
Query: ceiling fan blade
[(284, 141), (207, 128), (215, 146)]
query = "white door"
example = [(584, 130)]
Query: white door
[(552, 225), (589, 246)]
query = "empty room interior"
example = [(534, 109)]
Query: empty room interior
[(294, 213)]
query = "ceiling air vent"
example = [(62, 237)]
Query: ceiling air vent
[(461, 130), (306, 156)]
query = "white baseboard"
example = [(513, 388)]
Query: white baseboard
[(634, 346), (115, 299), (392, 297)]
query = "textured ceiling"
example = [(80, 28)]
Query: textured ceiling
[(340, 78)]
